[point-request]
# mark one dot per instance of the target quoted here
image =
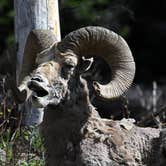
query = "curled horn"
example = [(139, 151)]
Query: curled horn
[(37, 41), (98, 41)]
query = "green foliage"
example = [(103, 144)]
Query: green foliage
[(6, 24), (74, 3), (24, 147), (86, 10), (32, 134), (6, 144), (32, 162), (111, 14), (6, 8)]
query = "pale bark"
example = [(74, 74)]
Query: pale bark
[(34, 14)]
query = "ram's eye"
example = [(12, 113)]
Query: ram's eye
[(67, 70)]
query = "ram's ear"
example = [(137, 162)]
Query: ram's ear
[(85, 64)]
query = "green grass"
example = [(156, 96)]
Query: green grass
[(23, 147), (19, 146)]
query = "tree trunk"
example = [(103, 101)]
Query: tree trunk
[(33, 14)]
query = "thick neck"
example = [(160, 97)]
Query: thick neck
[(63, 126), (71, 114), (74, 110)]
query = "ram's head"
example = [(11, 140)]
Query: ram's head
[(53, 69)]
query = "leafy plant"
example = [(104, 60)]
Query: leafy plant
[(24, 147)]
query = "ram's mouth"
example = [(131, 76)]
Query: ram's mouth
[(38, 90)]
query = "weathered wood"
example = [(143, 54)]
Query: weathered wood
[(34, 14)]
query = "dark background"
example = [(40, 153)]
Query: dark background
[(142, 23)]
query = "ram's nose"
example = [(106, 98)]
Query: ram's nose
[(38, 86), (37, 78)]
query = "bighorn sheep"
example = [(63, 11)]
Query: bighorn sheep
[(74, 133)]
